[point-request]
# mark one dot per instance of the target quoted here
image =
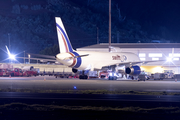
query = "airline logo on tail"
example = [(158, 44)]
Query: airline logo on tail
[(64, 43)]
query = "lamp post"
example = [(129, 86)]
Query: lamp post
[(9, 41), (9, 45), (29, 57), (97, 36), (24, 57), (109, 25)]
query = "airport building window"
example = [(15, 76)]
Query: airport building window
[(142, 58), (155, 58), (155, 54), (142, 55), (176, 59), (175, 55)]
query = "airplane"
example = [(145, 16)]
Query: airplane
[(92, 60)]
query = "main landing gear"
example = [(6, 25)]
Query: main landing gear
[(83, 76), (112, 78)]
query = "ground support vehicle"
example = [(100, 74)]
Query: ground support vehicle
[(4, 72), (63, 75), (142, 77), (93, 74), (74, 76), (159, 76), (177, 77), (16, 72), (104, 74), (30, 73)]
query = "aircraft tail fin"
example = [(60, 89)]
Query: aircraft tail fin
[(63, 39)]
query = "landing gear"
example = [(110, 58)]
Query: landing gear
[(112, 74), (112, 78), (83, 76)]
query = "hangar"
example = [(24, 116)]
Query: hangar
[(169, 53)]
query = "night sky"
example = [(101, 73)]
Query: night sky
[(158, 13), (157, 17), (34, 26)]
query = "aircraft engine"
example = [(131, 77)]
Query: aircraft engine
[(133, 70), (85, 72), (74, 70)]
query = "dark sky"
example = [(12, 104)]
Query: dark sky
[(152, 15), (165, 13)]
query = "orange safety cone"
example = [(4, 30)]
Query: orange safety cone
[(44, 78), (9, 76)]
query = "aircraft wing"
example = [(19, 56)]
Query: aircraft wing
[(99, 66), (42, 60), (140, 62), (43, 56), (50, 60)]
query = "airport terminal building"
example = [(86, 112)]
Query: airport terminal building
[(167, 53)]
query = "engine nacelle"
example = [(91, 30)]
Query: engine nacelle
[(85, 72), (74, 70), (133, 70)]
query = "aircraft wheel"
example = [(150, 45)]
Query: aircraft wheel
[(80, 77), (110, 78), (85, 77)]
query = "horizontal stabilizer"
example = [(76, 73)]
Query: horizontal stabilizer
[(70, 58)]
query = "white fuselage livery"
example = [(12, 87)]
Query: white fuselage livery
[(96, 60), (91, 60)]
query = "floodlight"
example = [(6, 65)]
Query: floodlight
[(169, 59), (11, 56)]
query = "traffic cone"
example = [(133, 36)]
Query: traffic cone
[(44, 78), (9, 76)]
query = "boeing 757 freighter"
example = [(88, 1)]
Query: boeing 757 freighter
[(91, 60)]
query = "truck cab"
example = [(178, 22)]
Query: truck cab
[(17, 72)]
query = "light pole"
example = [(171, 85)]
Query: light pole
[(9, 41), (97, 36), (9, 45), (24, 57), (109, 25), (29, 57)]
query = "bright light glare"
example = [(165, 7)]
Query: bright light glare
[(142, 55), (176, 59), (142, 58), (11, 56), (169, 59), (155, 58), (110, 74), (174, 55), (155, 54)]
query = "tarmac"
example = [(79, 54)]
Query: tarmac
[(52, 83)]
